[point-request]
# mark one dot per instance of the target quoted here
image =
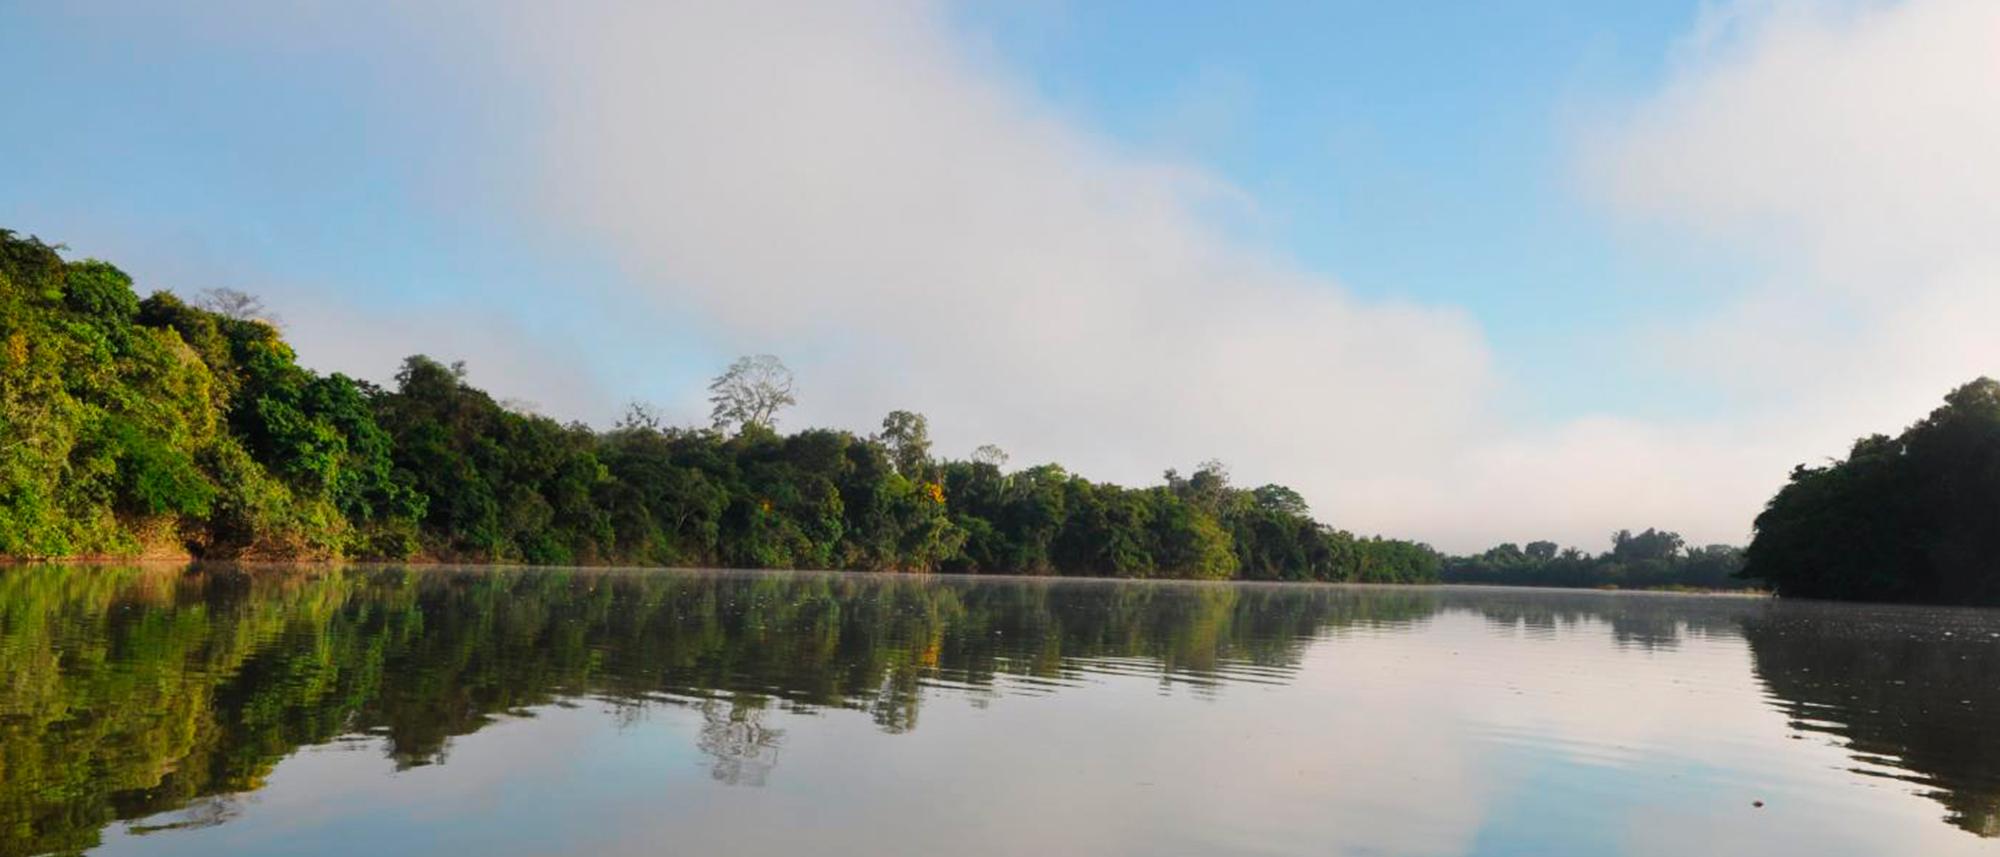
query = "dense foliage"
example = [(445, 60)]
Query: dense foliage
[(1912, 518), (132, 426), (1654, 559)]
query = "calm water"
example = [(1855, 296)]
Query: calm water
[(483, 712)]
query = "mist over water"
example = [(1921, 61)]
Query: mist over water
[(215, 710)]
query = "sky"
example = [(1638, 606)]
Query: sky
[(1459, 272)]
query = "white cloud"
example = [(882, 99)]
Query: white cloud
[(517, 367), (836, 183), (1848, 146), (1853, 146), (1860, 133)]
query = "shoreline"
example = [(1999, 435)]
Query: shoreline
[(450, 565)]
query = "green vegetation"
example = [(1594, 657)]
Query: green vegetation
[(158, 427), (1654, 559), (161, 427), (1911, 518)]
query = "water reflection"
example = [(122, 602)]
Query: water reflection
[(165, 695), (133, 691), (733, 733), (1642, 620), (1912, 693)]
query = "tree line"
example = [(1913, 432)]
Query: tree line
[(137, 426), (1653, 559), (1910, 518), (1915, 517)]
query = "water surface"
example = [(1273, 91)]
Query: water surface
[(212, 711)]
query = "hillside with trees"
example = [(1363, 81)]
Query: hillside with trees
[(162, 426)]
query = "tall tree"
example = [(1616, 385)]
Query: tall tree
[(238, 305), (990, 454), (908, 436), (750, 393)]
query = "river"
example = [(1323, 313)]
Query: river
[(386, 711)]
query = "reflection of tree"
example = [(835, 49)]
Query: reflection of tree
[(109, 707), (1635, 619), (743, 750), (128, 693), (1909, 691), (201, 812), (131, 693)]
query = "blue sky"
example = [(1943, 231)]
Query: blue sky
[(1458, 271)]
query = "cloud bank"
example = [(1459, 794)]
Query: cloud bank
[(844, 187), (1848, 148)]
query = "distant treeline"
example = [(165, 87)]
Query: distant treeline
[(1654, 559), (157, 426), (1910, 518)]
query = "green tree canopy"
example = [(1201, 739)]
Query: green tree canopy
[(164, 426), (1915, 517)]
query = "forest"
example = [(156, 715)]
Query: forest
[(1913, 518), (168, 427), (1653, 559)]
